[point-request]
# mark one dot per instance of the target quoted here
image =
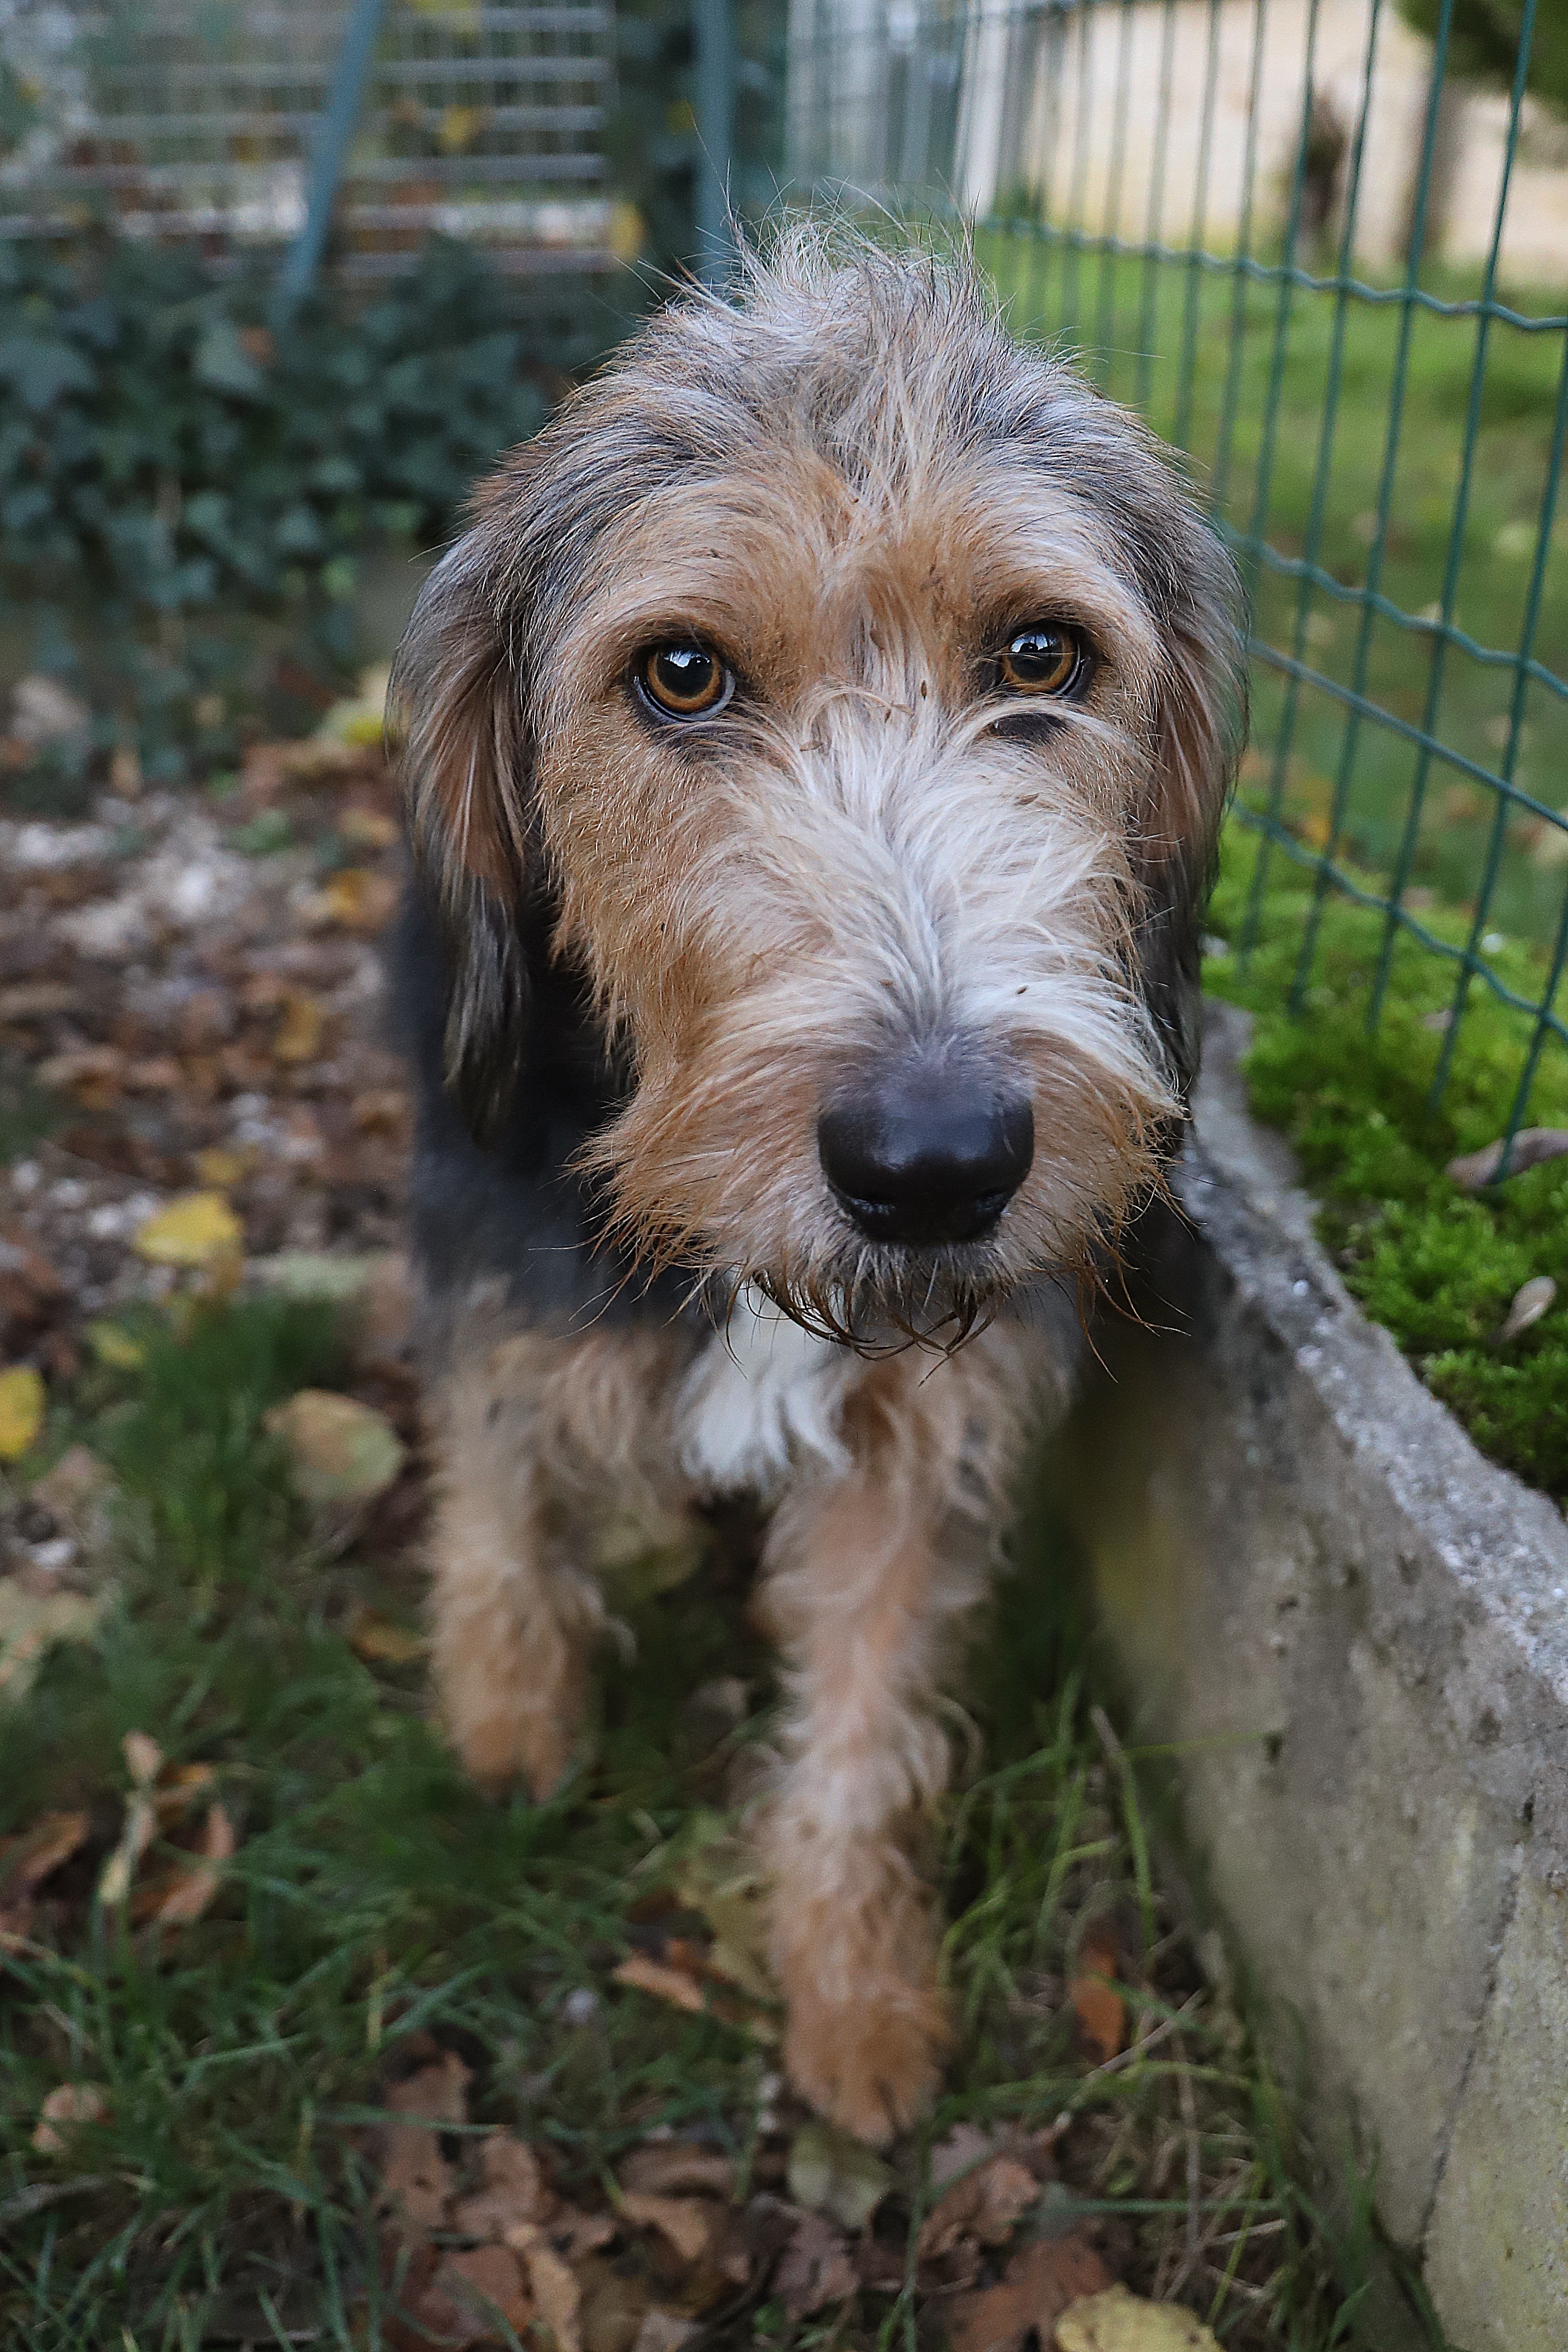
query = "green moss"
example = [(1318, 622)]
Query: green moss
[(1436, 1267)]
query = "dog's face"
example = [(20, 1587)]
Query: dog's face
[(866, 692)]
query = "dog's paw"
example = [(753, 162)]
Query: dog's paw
[(503, 1751), (870, 2065)]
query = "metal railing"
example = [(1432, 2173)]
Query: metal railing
[(1339, 281), (481, 119)]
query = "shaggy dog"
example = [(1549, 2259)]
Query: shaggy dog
[(815, 753)]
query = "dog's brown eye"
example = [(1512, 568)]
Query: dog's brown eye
[(685, 680), (1047, 660)]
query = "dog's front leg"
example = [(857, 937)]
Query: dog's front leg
[(514, 1621), (866, 1573)]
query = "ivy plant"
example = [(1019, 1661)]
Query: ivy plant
[(188, 483)]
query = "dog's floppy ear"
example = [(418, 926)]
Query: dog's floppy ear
[(1200, 728), (460, 730)]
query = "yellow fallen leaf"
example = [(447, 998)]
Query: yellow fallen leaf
[(341, 1452), (720, 1879), (21, 1410), (380, 1643), (1116, 2321), (301, 1030), (830, 2173), (30, 1626), (114, 1346), (358, 899), (198, 1229), (368, 828), (219, 1167)]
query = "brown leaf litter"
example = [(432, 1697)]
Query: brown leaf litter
[(196, 985)]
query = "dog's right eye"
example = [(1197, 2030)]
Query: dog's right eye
[(684, 680)]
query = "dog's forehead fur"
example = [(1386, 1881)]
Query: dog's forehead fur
[(877, 408)]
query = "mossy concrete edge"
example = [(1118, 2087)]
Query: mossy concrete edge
[(1353, 1628)]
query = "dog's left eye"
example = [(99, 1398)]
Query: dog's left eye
[(684, 680), (1049, 659)]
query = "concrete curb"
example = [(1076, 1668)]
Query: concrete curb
[(1356, 1629)]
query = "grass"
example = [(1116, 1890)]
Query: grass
[(374, 1896), (1436, 1267)]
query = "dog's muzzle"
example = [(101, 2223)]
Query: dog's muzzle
[(928, 1146)]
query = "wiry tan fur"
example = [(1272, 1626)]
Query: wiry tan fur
[(851, 485)]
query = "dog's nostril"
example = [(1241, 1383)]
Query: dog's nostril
[(922, 1152)]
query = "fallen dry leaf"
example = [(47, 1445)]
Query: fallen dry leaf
[(1100, 2009), (662, 2331), (667, 2167), (31, 1624), (193, 1888), (27, 1862), (1473, 1171), (815, 2268), (143, 1760), (831, 2173), (721, 1881), (300, 1032), (1039, 2284), (1116, 2321), (515, 2192), (341, 1454), (613, 2306), (199, 1228), (76, 1494), (676, 1986), (218, 1168), (987, 2204), (1530, 1302), (358, 900), (475, 2286), (557, 2298), (21, 1410), (71, 2103), (688, 2223), (417, 2180), (27, 1859), (114, 1346), (380, 1643), (368, 828)]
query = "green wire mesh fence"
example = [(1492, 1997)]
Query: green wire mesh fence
[(1334, 273)]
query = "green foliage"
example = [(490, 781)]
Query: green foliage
[(171, 459), (1483, 41), (1436, 1267)]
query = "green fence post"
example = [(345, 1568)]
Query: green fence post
[(713, 41), (332, 146)]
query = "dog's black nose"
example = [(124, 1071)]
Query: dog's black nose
[(927, 1149)]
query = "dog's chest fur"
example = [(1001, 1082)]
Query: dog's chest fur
[(763, 1396)]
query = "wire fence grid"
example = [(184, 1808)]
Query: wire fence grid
[(481, 119), (1337, 278)]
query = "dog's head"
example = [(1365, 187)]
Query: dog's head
[(866, 693)]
